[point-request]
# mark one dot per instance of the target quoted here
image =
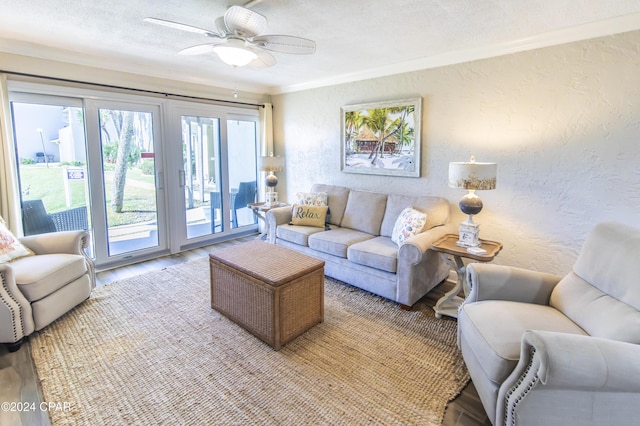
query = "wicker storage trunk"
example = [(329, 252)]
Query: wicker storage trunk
[(273, 292)]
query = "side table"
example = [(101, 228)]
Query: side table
[(260, 211), (453, 254)]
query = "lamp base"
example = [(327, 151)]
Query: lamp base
[(468, 237), (271, 199)]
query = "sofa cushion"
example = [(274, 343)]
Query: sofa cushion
[(493, 330), (308, 215), (436, 208), (379, 252), (409, 223), (337, 241), (336, 197), (296, 234), (39, 276), (364, 211)]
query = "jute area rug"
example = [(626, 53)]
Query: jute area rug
[(150, 350)]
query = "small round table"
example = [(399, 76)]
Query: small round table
[(453, 253)]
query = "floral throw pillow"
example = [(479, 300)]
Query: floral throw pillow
[(10, 247), (409, 223), (312, 198)]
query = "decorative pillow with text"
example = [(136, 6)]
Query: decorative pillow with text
[(10, 247), (308, 215), (409, 223)]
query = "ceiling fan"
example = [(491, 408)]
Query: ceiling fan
[(238, 39)]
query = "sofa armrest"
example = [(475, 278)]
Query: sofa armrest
[(275, 217), (498, 282), (419, 268), (414, 248), (567, 371), (71, 242)]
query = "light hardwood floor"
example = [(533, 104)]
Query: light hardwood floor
[(19, 385)]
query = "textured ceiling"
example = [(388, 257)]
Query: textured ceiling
[(355, 38)]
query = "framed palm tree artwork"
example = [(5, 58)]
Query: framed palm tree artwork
[(382, 138)]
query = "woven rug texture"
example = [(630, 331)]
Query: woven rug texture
[(150, 350)]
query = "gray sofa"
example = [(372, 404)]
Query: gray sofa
[(358, 250), (549, 350)]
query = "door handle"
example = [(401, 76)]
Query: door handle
[(181, 178), (160, 180)]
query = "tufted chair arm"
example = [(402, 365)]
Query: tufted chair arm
[(72, 242), (566, 376), (497, 282), (16, 319)]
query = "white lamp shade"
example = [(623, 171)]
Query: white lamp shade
[(235, 53), (472, 175), (271, 164)]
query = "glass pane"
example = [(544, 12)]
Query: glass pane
[(51, 149), (200, 148), (242, 137), (128, 165)]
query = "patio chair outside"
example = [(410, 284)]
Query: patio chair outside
[(36, 220)]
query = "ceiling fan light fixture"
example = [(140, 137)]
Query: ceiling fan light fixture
[(239, 39), (235, 53)]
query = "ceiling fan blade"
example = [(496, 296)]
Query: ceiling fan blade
[(264, 59), (182, 27), (285, 44), (244, 22), (221, 27), (198, 49)]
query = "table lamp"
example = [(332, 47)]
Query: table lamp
[(271, 164), (472, 176)]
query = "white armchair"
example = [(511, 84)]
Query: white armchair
[(545, 350), (36, 290)]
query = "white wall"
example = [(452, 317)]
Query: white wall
[(563, 124)]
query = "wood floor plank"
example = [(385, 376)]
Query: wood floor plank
[(21, 389)]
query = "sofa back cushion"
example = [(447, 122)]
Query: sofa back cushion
[(364, 212), (337, 199), (602, 294), (436, 208)]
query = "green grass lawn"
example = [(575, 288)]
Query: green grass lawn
[(47, 184)]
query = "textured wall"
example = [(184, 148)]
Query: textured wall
[(563, 124)]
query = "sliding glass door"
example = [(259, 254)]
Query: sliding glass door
[(200, 175), (126, 180), (145, 176), (217, 173), (241, 153), (52, 163)]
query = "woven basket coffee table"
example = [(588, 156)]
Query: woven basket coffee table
[(273, 292)]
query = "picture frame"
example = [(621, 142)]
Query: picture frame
[(382, 138)]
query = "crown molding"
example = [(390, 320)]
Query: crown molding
[(612, 26)]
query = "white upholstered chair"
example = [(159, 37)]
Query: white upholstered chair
[(36, 290), (546, 350)]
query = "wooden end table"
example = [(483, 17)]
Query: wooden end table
[(260, 211), (453, 255)]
